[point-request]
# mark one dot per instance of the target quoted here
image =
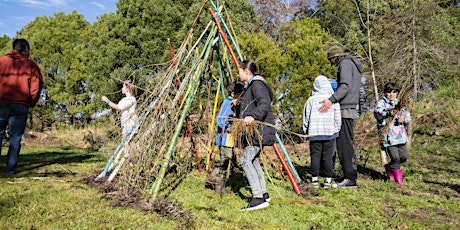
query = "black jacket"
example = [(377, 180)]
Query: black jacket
[(257, 102)]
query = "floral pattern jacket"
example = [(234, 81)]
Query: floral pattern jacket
[(391, 131)]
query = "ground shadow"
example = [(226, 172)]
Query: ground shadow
[(305, 172), (29, 163), (372, 173), (455, 187)]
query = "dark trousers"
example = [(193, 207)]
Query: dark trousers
[(346, 149), (321, 156), (398, 155), (226, 155), (16, 116)]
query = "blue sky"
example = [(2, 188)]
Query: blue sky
[(15, 14)]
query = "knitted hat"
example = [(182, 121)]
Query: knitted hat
[(334, 51)]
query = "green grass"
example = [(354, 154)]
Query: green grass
[(48, 194)]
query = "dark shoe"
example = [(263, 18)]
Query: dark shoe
[(338, 179), (13, 172), (256, 203), (220, 186), (266, 197), (347, 183)]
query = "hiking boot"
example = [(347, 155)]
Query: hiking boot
[(256, 203), (266, 197), (347, 183), (220, 186)]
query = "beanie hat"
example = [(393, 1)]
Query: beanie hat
[(334, 51)]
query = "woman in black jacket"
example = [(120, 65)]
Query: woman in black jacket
[(256, 104)]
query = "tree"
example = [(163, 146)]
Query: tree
[(412, 42), (5, 44), (303, 47), (137, 34), (58, 43), (273, 14)]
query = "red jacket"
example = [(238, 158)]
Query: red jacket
[(20, 79)]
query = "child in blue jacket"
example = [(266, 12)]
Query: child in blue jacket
[(223, 138)]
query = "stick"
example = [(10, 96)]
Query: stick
[(273, 163), (286, 168)]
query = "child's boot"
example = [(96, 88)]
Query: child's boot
[(398, 175), (220, 186), (389, 172)]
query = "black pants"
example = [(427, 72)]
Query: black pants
[(346, 149), (321, 155), (398, 155)]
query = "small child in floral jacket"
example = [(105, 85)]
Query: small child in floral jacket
[(392, 122)]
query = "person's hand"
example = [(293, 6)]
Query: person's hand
[(326, 105), (248, 120), (104, 98), (401, 119)]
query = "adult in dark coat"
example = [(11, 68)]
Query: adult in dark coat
[(349, 71)]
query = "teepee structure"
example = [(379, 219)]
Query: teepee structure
[(144, 158)]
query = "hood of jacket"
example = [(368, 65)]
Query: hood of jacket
[(322, 86), (357, 63)]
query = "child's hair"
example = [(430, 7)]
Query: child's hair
[(235, 87), (131, 87), (390, 87), (251, 65)]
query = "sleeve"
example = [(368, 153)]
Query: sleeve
[(407, 118), (263, 100), (346, 81), (224, 113), (125, 103), (36, 84), (337, 117), (306, 115), (380, 111)]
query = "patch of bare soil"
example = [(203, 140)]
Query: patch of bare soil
[(306, 190), (165, 208), (438, 216)]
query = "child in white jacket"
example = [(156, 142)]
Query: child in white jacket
[(322, 128)]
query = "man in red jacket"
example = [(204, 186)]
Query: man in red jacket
[(20, 86)]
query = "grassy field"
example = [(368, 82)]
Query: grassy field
[(50, 192)]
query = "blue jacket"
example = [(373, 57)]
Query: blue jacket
[(224, 123)]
